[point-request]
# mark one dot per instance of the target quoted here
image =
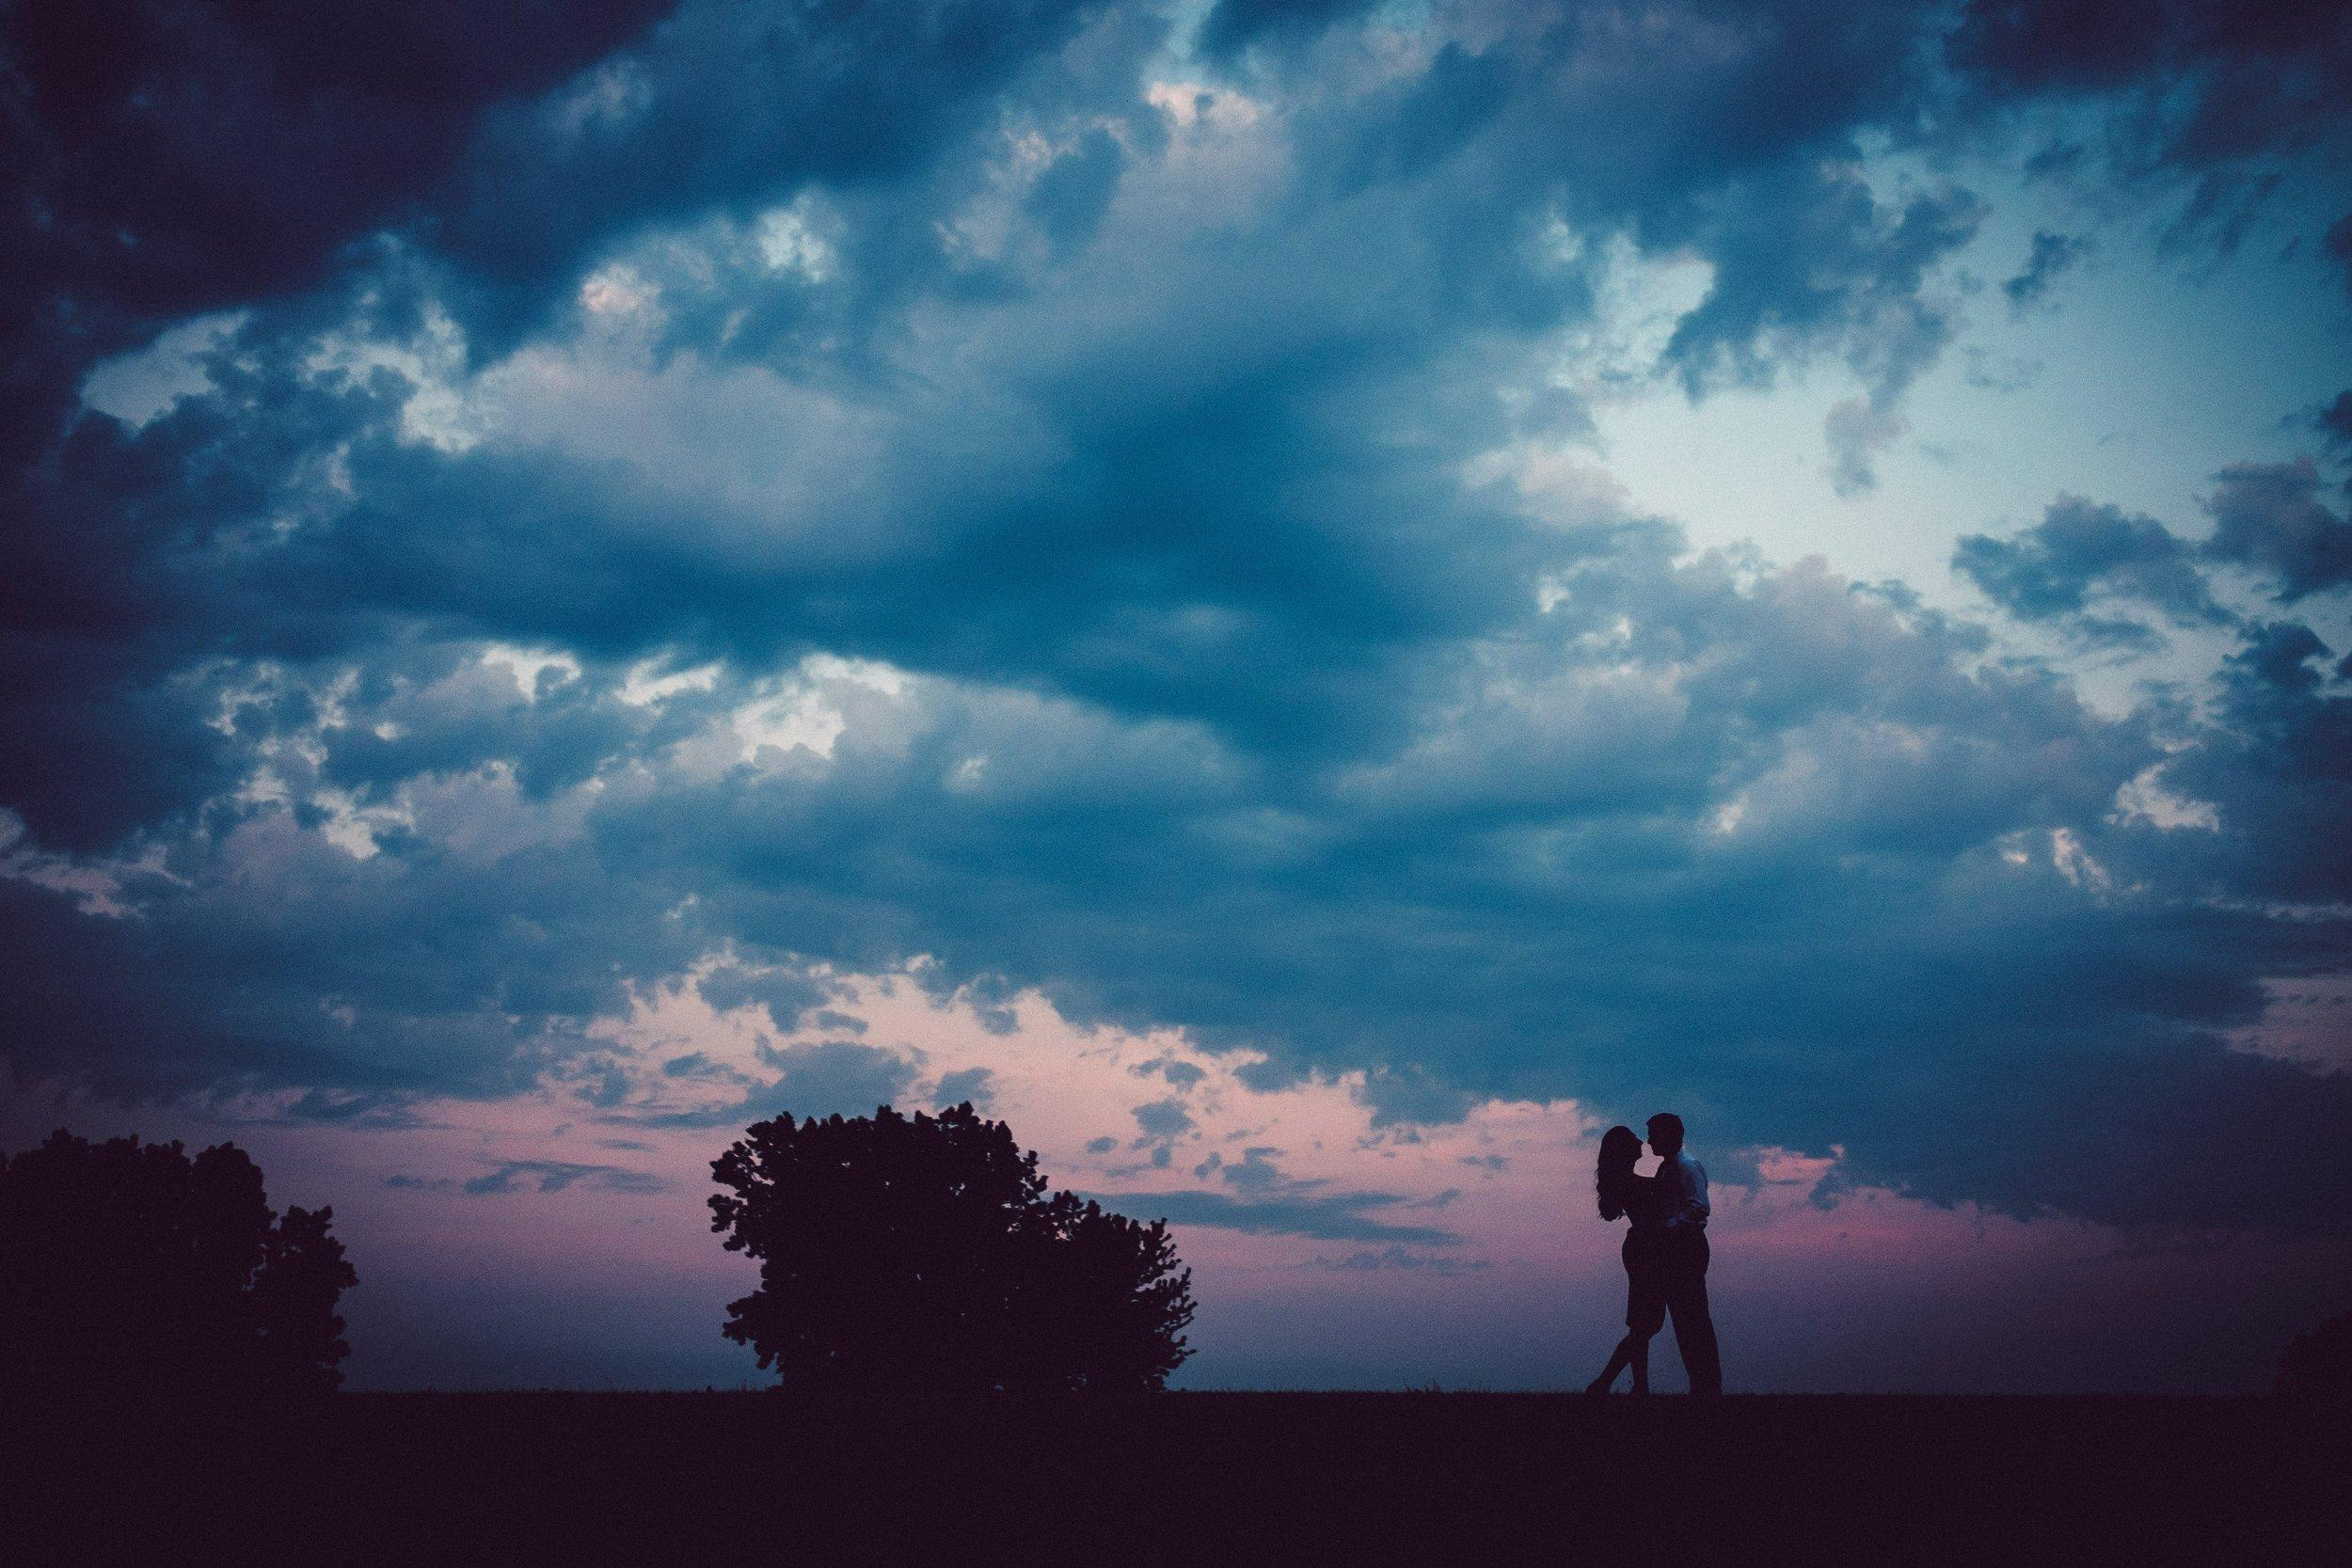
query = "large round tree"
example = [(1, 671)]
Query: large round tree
[(924, 1254)]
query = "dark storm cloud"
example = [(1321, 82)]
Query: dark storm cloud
[(189, 156), (731, 100), (2053, 256), (2280, 772), (1226, 706), (1851, 273), (225, 989), (2207, 92), (167, 159), (2270, 518), (970, 1085), (1180, 1073), (1721, 161), (1234, 25), (1163, 1118), (1806, 260), (2273, 766), (111, 590), (785, 994), (539, 1176), (2081, 551), (553, 1175), (175, 159), (1410, 1097), (2335, 420), (826, 1078)]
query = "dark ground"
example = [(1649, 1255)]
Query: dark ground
[(751, 1478)]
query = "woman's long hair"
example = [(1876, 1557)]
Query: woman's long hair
[(1620, 1146)]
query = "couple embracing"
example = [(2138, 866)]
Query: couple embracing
[(1666, 1253)]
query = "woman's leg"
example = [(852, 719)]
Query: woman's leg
[(1632, 1351), (1645, 1314), (1619, 1360)]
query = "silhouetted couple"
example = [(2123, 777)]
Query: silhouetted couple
[(1664, 1252)]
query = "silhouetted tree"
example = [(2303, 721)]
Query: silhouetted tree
[(924, 1254), (2318, 1366), (130, 1268)]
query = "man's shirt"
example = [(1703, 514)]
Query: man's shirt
[(1686, 1185)]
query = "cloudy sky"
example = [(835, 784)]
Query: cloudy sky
[(1311, 602)]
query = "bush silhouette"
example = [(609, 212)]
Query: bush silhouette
[(924, 1253), (129, 1268)]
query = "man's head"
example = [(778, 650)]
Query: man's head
[(1665, 1134)]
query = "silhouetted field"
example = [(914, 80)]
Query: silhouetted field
[(745, 1477)]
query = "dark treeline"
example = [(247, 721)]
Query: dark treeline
[(900, 1255), (918, 1253)]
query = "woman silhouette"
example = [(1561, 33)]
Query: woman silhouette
[(1644, 1206)]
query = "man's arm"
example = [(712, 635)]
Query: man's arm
[(1690, 1192)]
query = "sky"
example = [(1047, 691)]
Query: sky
[(1310, 602)]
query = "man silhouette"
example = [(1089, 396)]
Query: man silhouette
[(1685, 1253)]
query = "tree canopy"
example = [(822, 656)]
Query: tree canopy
[(924, 1253), (127, 1267)]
